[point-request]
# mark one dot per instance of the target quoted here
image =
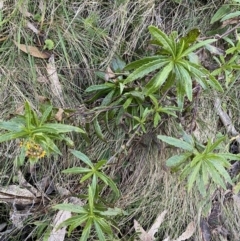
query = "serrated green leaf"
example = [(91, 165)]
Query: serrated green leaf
[(221, 12), (145, 69), (198, 158), (194, 47), (109, 182), (177, 159), (76, 221), (175, 142), (70, 208), (213, 146), (180, 94), (11, 126), (215, 175), (169, 82), (193, 176), (28, 114), (104, 225), (63, 128), (12, 136), (46, 114), (162, 38), (158, 80), (200, 185), (185, 77), (222, 171), (91, 194), (86, 231), (99, 231), (146, 60), (230, 156), (108, 98), (98, 130), (82, 157), (51, 145), (99, 164), (204, 173)]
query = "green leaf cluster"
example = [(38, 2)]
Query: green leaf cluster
[(94, 214), (200, 163), (172, 65), (37, 129)]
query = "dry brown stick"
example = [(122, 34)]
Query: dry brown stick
[(226, 120)]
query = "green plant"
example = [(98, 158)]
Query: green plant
[(93, 171), (37, 134), (228, 64), (225, 12), (200, 162), (174, 65), (48, 44), (95, 212)]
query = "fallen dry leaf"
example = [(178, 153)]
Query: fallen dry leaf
[(188, 233), (59, 114), (54, 80), (20, 196), (149, 236), (143, 235), (157, 224), (42, 99), (23, 183), (34, 51), (59, 234), (20, 110), (109, 74), (32, 27)]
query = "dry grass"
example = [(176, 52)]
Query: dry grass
[(87, 35)]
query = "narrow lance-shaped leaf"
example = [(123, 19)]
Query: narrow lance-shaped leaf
[(145, 69), (70, 207), (76, 222), (93, 88), (211, 147), (215, 175), (46, 114), (98, 130), (100, 233), (222, 171), (159, 79), (12, 136), (86, 231), (139, 63), (177, 159), (193, 176), (185, 77), (11, 126), (197, 46), (109, 182), (163, 38), (82, 157), (76, 170), (176, 142), (28, 114)]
